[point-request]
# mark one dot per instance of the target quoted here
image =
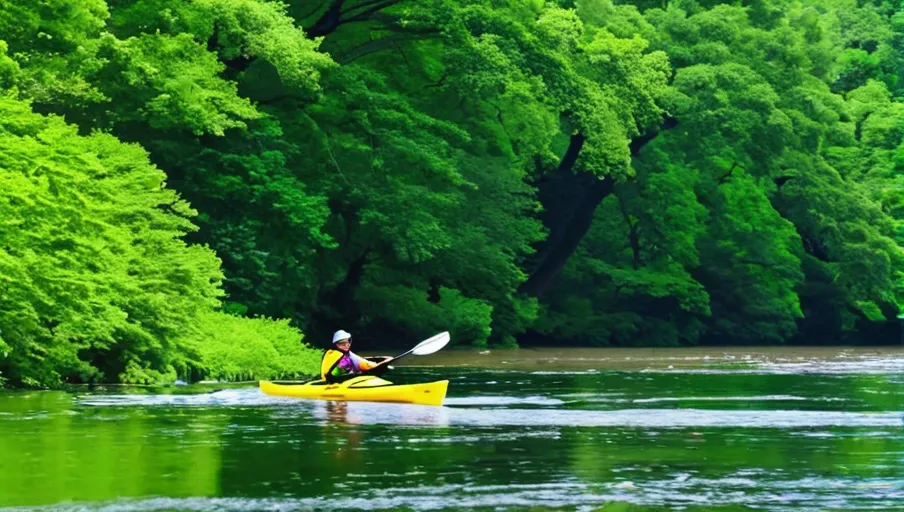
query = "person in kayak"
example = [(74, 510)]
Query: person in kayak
[(341, 361)]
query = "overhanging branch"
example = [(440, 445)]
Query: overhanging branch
[(378, 45), (338, 14)]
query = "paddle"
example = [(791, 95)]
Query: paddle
[(426, 347)]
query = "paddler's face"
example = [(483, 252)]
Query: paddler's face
[(344, 344)]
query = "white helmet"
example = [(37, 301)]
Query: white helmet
[(340, 335)]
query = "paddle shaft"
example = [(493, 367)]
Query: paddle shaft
[(431, 345)]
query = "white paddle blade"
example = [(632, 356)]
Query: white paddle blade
[(431, 345)]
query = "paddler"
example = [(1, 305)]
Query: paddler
[(340, 360)]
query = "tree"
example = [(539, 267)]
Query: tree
[(96, 280)]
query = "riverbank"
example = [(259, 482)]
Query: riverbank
[(762, 359)]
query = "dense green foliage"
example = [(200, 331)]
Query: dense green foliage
[(233, 348), (96, 281), (594, 172)]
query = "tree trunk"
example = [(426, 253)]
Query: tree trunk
[(560, 192), (571, 199), (569, 237), (633, 235), (337, 306)]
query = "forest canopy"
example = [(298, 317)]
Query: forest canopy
[(186, 187)]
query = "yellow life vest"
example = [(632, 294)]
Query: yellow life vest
[(329, 361)]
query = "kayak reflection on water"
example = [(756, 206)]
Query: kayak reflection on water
[(376, 413), (347, 439), (342, 420)]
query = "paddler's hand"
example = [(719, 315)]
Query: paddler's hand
[(384, 363), (379, 368)]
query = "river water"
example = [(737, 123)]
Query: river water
[(589, 429)]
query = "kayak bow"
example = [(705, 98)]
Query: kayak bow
[(366, 388)]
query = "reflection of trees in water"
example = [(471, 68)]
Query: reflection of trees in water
[(312, 451), (884, 392), (57, 453), (646, 454)]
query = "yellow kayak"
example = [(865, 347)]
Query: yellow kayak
[(366, 388)]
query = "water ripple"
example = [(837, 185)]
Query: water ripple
[(508, 411), (679, 489)]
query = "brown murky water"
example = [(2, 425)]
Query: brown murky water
[(808, 358)]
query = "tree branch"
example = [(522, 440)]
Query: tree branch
[(309, 14), (365, 15), (374, 6), (639, 142), (727, 175), (439, 83), (335, 16), (328, 21), (376, 45), (781, 180)]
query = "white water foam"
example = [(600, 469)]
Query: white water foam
[(677, 490), (496, 411), (761, 398), (499, 401), (223, 398)]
